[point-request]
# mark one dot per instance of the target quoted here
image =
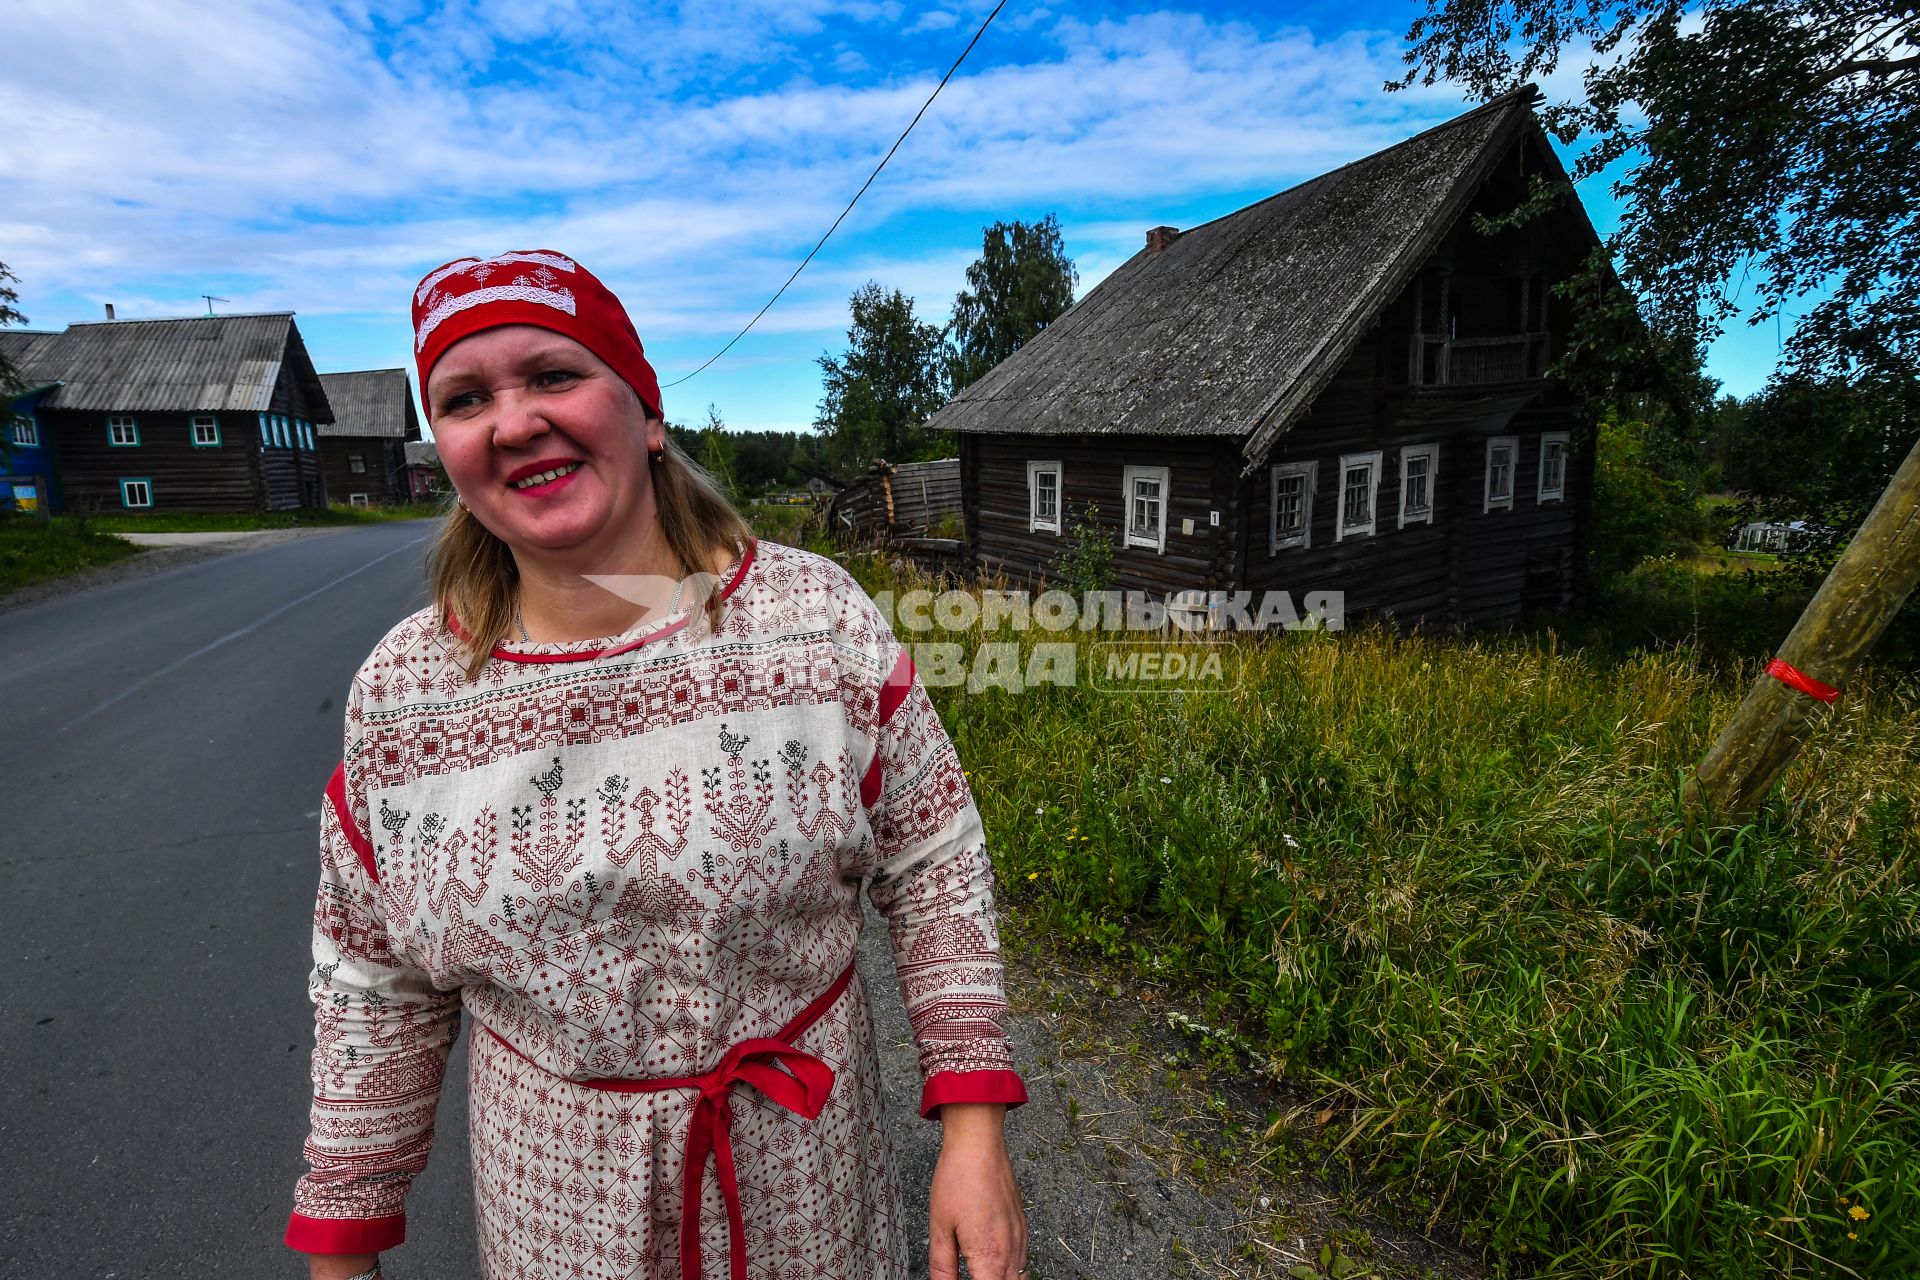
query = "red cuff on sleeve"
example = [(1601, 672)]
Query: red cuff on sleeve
[(345, 1235), (971, 1086), (337, 797)]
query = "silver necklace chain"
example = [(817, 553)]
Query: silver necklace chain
[(672, 607)]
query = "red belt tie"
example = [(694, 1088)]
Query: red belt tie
[(802, 1089)]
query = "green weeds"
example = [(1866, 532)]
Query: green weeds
[(1450, 887)]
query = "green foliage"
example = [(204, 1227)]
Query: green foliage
[(1637, 511), (1021, 281), (757, 460), (1446, 887), (1773, 149), (888, 382), (718, 455), (10, 383), (1087, 562), (32, 550)]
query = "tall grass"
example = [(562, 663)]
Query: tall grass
[(1452, 885)]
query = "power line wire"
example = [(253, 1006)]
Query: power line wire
[(856, 200)]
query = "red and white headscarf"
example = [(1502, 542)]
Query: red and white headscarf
[(528, 286)]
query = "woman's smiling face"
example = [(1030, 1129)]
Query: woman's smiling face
[(514, 405)]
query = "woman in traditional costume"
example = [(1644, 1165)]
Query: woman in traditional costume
[(616, 792)]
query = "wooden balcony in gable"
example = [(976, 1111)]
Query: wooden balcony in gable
[(1436, 361)]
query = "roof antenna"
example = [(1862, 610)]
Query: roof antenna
[(211, 300)]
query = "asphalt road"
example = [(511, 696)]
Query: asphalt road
[(167, 741)]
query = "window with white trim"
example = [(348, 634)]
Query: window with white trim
[(136, 493), (205, 430), (1553, 467), (1503, 455), (356, 499), (24, 432), (357, 463), (1291, 505), (1359, 493), (1043, 497), (1145, 492), (1419, 472), (122, 430)]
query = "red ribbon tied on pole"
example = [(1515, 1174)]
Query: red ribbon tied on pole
[(1794, 678)]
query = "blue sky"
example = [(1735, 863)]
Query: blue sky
[(320, 157)]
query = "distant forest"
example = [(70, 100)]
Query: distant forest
[(752, 463)]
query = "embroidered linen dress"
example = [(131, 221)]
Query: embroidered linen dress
[(625, 859)]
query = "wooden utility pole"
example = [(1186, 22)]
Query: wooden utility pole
[(1866, 587)]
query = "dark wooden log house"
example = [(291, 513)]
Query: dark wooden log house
[(364, 450), (211, 413), (1340, 388)]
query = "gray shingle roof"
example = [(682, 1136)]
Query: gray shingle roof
[(1234, 327), (201, 363), (371, 402), (422, 453)]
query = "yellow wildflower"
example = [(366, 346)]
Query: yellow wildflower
[(1033, 875), (1853, 1235), (1858, 1213)]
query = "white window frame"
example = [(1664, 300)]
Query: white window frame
[(118, 422), (357, 464), (1310, 474), (1556, 493), (1431, 452), (208, 421), (1157, 539), (356, 499), (24, 432), (1491, 500), (1035, 522), (1348, 462), (126, 499)]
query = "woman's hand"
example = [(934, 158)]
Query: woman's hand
[(976, 1211)]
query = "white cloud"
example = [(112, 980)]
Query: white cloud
[(323, 156)]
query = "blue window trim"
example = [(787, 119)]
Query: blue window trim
[(23, 422), (131, 421), (127, 480), (193, 431), (306, 432)]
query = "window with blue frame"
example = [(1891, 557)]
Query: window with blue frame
[(122, 430), (24, 432), (205, 430), (136, 493)]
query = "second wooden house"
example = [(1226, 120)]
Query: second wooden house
[(364, 450), (1340, 388)]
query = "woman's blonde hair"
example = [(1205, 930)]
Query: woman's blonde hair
[(475, 580)]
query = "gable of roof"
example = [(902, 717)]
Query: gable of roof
[(422, 453), (202, 363), (1234, 327), (371, 402)]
